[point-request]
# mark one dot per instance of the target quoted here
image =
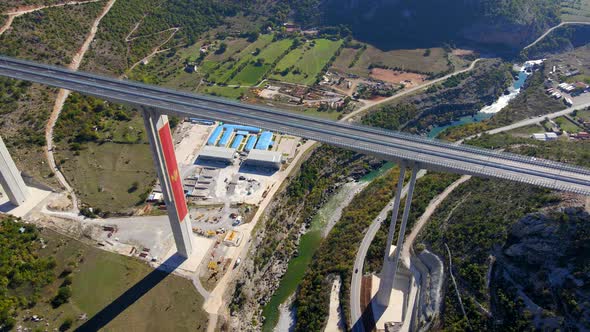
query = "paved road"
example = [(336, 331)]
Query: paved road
[(551, 30), (539, 119), (388, 145), (355, 287)]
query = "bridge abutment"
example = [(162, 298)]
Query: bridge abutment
[(162, 147), (10, 178)]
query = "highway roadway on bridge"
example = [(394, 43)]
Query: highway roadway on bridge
[(427, 153)]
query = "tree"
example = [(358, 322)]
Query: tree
[(66, 324), (63, 296), (222, 48), (259, 62)]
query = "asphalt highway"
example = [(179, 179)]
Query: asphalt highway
[(389, 145)]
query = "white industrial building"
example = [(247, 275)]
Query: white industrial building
[(217, 154), (264, 159), (545, 136)]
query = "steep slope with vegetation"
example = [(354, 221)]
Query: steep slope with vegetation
[(493, 240), (531, 102), (277, 237), (62, 281), (460, 95), (410, 24), (45, 36), (22, 272), (335, 257)]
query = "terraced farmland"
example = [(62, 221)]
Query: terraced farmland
[(303, 64), (262, 63)]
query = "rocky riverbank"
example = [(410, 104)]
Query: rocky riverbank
[(288, 217)]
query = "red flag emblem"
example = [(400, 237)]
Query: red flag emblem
[(172, 170)]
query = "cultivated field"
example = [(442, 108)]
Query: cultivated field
[(304, 63), (408, 60), (344, 60), (221, 72), (575, 10), (254, 72)]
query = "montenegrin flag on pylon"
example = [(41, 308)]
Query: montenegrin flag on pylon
[(172, 170)]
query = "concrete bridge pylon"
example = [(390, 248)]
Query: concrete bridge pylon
[(10, 178), (162, 146), (391, 260)]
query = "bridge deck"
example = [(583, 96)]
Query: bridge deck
[(395, 146)]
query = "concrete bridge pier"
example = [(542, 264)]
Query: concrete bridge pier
[(11, 179), (162, 146), (391, 260)]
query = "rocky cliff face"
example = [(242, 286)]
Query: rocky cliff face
[(545, 265)]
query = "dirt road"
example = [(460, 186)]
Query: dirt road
[(409, 242), (16, 12), (156, 49), (59, 103)]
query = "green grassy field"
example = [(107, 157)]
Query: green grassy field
[(253, 73), (527, 131), (331, 115), (223, 70), (100, 277), (234, 47), (409, 60), (306, 61), (345, 58), (575, 10), (224, 91), (567, 125), (103, 174), (584, 115)]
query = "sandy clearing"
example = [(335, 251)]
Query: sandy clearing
[(462, 52), (397, 77), (335, 323)]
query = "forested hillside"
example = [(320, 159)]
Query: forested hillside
[(425, 23)]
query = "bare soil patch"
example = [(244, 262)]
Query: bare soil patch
[(461, 52), (395, 76)]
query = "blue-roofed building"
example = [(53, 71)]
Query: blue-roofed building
[(242, 132), (250, 143), (253, 130), (265, 141), (214, 135), (225, 137), (237, 141), (202, 121)]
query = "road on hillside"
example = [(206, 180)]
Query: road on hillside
[(535, 120), (350, 116), (551, 30)]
